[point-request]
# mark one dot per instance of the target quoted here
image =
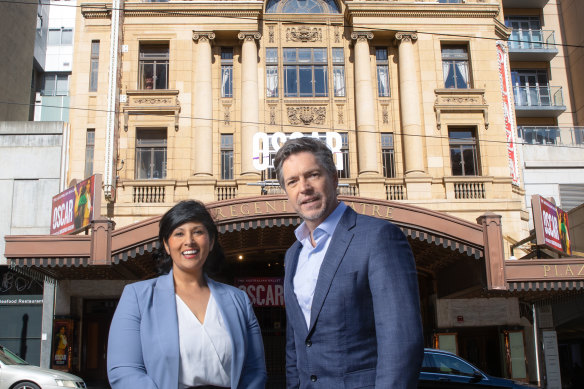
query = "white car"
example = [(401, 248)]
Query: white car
[(15, 373)]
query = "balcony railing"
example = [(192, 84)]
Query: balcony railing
[(148, 194), (395, 192), (573, 136), (538, 96), (532, 45), (225, 191)]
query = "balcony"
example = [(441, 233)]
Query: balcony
[(524, 3), (538, 101), (565, 136), (532, 45)]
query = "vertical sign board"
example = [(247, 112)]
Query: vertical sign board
[(74, 208), (508, 110), (552, 360), (551, 225), (263, 291)]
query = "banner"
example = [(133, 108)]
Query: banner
[(508, 110), (73, 209), (263, 291), (62, 338), (551, 225)]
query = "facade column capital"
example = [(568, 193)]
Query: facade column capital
[(203, 36), (361, 36), (406, 37), (249, 35)]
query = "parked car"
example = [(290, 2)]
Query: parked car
[(443, 369), (16, 373)]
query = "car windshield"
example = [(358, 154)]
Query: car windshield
[(7, 357)]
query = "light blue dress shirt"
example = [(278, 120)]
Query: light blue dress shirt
[(310, 258)]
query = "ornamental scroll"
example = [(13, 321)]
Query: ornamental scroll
[(306, 115)]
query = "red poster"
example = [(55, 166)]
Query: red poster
[(551, 225), (72, 209), (62, 337), (263, 291)]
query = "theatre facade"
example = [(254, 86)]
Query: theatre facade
[(190, 100)]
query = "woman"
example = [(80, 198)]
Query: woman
[(182, 329)]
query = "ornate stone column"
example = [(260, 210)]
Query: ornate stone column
[(203, 106), (409, 96), (365, 103), (249, 98)]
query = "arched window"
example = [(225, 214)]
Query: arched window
[(302, 7)]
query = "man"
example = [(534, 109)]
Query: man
[(351, 291)]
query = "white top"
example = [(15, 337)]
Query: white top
[(205, 349), (310, 258)]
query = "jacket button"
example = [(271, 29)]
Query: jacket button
[(313, 378), (308, 343)]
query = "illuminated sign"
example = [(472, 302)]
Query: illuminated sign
[(265, 145), (73, 209), (551, 225)]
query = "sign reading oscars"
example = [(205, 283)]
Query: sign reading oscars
[(551, 225), (74, 208)]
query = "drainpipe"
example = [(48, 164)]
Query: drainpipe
[(536, 344)]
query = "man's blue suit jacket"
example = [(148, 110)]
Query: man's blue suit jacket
[(143, 345), (365, 328)]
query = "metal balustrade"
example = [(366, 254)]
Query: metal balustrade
[(550, 135), (538, 96)]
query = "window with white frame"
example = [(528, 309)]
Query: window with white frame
[(150, 154), (346, 172), (60, 37), (153, 66), (271, 72), (455, 66), (227, 156), (463, 152), (339, 72), (55, 84), (226, 72), (388, 155), (381, 58), (305, 72)]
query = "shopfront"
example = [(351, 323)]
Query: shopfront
[(466, 301)]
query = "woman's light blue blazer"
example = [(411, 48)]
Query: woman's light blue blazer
[(143, 344)]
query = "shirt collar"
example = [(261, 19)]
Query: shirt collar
[(328, 225)]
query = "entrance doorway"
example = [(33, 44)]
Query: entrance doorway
[(97, 317)]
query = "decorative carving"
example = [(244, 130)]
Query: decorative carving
[(153, 100), (306, 115), (337, 35), (272, 114), (249, 35), (340, 117), (271, 34), (406, 37), (203, 36), (449, 100), (304, 34), (226, 115), (385, 114), (361, 35)]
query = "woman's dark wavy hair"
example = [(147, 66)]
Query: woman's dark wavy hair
[(184, 212)]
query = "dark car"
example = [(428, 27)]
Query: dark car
[(443, 369)]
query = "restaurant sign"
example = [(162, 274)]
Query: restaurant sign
[(551, 225), (74, 208)]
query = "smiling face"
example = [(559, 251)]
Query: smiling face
[(311, 191), (189, 246)]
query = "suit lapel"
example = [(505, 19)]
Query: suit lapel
[(333, 258), (292, 307), (166, 322), (231, 320)]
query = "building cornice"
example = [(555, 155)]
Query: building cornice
[(248, 9), (419, 10)]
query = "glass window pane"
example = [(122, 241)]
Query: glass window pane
[(338, 56), (304, 55), (161, 76), (67, 36), (271, 55), (305, 80), (62, 85), (290, 81), (320, 84), (289, 55), (339, 80), (227, 81), (159, 165), (272, 81), (54, 38), (320, 55), (455, 161), (50, 86), (381, 54), (449, 81), (383, 80), (143, 163)]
